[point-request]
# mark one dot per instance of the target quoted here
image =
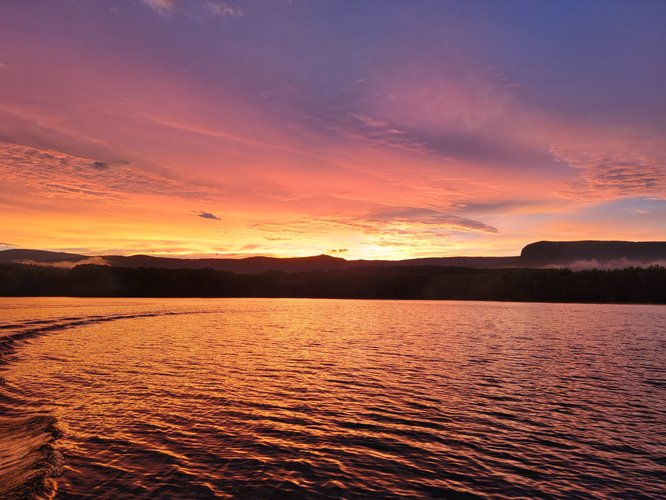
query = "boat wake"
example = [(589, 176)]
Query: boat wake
[(29, 460), (29, 463), (28, 329), (263, 398)]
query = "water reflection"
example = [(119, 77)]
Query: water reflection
[(347, 398)]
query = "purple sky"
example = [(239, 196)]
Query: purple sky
[(374, 128)]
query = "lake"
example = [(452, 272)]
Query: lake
[(192, 398)]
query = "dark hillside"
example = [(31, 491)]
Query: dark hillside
[(632, 285)]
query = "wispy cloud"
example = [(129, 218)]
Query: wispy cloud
[(66, 264), (214, 7), (612, 174), (416, 215), (104, 165), (164, 7), (224, 9), (207, 215), (503, 206), (405, 231), (54, 174), (383, 132), (623, 263)]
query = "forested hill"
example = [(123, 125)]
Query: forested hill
[(248, 265), (632, 285)]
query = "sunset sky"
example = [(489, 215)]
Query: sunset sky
[(361, 129)]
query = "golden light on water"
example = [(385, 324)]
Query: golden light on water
[(307, 397)]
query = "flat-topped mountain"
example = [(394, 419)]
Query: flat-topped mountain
[(577, 254), (634, 253)]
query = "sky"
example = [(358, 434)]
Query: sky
[(361, 129)]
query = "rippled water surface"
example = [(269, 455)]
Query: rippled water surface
[(337, 398)]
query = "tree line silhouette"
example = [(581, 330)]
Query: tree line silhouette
[(631, 285)]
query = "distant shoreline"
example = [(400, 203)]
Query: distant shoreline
[(575, 255), (621, 286), (489, 301)]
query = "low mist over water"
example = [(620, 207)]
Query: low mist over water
[(334, 398)]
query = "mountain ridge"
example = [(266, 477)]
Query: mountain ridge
[(538, 254)]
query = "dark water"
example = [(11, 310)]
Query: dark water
[(323, 398)]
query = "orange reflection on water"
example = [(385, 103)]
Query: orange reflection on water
[(341, 398)]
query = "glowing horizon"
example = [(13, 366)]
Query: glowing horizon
[(372, 130)]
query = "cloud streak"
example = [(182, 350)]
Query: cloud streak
[(612, 174), (55, 174), (67, 264), (224, 9), (164, 7), (416, 215), (207, 215)]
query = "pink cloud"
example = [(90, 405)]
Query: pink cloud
[(612, 172), (164, 7)]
